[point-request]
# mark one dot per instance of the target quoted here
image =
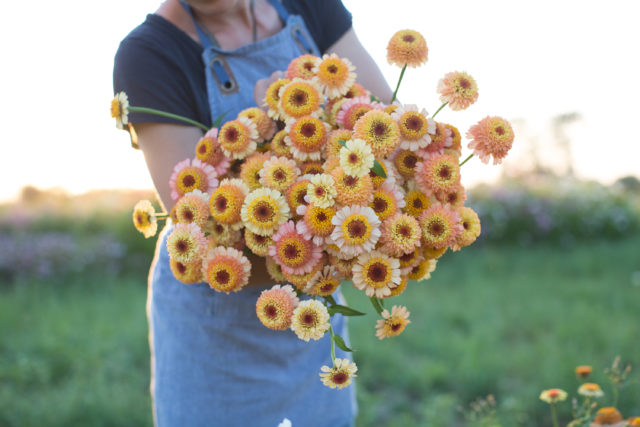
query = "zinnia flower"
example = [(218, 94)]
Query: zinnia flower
[(296, 193), (278, 173), (300, 98), (250, 170), (414, 127), (275, 307), (608, 417), (459, 89), (387, 199), (265, 126), (324, 283), (226, 269), (440, 226), (332, 147), (316, 222), (335, 75), (590, 390), (272, 98), (400, 234), (356, 158), (279, 145), (264, 210), (189, 175), (120, 109), (491, 137), (379, 130), (405, 162), (423, 270), (186, 242), (415, 202), (357, 230), (226, 202), (340, 375), (208, 150), (238, 138), (307, 136), (352, 190), (187, 273), (392, 325), (583, 371), (221, 234), (553, 395), (470, 228), (376, 273), (310, 320), (321, 191), (258, 244), (193, 207), (303, 67), (407, 47), (438, 173), (353, 109), (144, 218), (294, 253)]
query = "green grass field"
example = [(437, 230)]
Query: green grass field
[(506, 321)]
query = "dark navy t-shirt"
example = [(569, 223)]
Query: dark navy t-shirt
[(159, 66)]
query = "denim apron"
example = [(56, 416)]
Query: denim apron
[(213, 362)]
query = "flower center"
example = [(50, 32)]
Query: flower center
[(279, 175), (404, 230), (219, 229), (182, 246), (464, 83), (308, 130), (445, 172), (270, 311), (379, 204), (410, 161), (395, 326), (339, 378), (300, 197), (379, 129), (350, 181), (223, 277), (308, 319), (435, 228), (221, 203), (260, 239), (377, 272), (202, 149), (187, 215), (500, 130), (308, 66), (357, 228), (263, 211), (231, 134), (353, 158), (417, 203), (333, 69), (188, 180), (321, 217), (181, 267), (299, 97), (291, 251), (414, 123), (319, 191), (408, 38)]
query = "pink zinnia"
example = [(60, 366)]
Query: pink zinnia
[(440, 226), (292, 251), (459, 89), (438, 173), (189, 175), (491, 137)]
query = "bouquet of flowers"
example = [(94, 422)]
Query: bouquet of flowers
[(328, 184)]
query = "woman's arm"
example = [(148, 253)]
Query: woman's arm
[(164, 145), (369, 75)]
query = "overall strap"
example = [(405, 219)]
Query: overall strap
[(282, 12), (206, 38)]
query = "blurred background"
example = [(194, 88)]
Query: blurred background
[(553, 282)]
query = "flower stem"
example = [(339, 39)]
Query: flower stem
[(393, 98), (333, 345), (376, 304), (466, 160), (615, 396), (554, 415), (161, 215), (438, 110), (165, 114)]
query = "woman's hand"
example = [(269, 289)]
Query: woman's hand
[(260, 89)]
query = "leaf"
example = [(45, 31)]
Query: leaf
[(218, 120), (340, 343), (329, 299), (378, 170), (342, 142), (344, 310)]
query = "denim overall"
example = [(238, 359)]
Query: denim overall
[(213, 362)]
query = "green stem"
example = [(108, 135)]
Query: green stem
[(133, 109), (554, 415), (615, 396), (393, 98), (333, 346), (376, 304), (438, 110), (466, 160)]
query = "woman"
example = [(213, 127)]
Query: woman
[(213, 363)]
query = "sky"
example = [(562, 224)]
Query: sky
[(532, 61)]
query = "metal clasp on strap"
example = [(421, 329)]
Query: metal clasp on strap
[(300, 37), (222, 75)]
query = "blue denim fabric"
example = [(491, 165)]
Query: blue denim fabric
[(215, 364)]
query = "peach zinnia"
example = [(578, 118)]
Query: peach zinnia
[(440, 226), (193, 207), (379, 130), (278, 173), (357, 230), (414, 127), (186, 242), (491, 137), (352, 190), (272, 98), (392, 324), (303, 67), (226, 201), (275, 307), (144, 218), (470, 228), (335, 75), (300, 98), (294, 253), (226, 269), (307, 136), (438, 173), (400, 234), (353, 109), (250, 170), (324, 283), (208, 150), (407, 47), (458, 89), (187, 272), (608, 417), (316, 222)]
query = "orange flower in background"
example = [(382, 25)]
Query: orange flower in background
[(458, 89), (634, 422), (407, 47), (590, 390), (583, 371), (608, 417)]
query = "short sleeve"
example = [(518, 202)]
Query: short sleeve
[(327, 20), (158, 68)]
